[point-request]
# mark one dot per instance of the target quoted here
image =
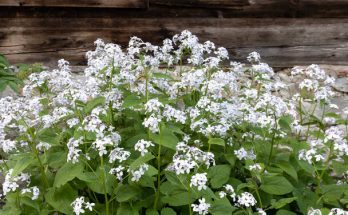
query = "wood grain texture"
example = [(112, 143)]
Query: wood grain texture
[(281, 42), (76, 3), (201, 3)]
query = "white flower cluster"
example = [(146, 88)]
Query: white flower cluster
[(12, 183), (199, 180), (202, 208), (229, 190), (80, 205), (188, 158), (118, 171), (33, 190), (136, 174), (246, 199), (242, 154), (142, 146), (333, 211), (321, 149)]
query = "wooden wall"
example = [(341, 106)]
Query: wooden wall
[(285, 32)]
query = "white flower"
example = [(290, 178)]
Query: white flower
[(230, 191), (73, 150), (338, 211), (136, 174), (118, 154), (34, 190), (261, 211), (222, 194), (72, 122), (79, 205), (43, 146), (254, 57), (11, 183), (153, 106), (246, 199), (118, 171), (202, 208), (242, 154), (255, 167), (8, 145), (142, 146), (199, 180), (313, 211), (152, 122)]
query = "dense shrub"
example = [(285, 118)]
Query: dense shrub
[(143, 134)]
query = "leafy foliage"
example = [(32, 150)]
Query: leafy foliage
[(144, 134)]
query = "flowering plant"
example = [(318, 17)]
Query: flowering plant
[(171, 130)]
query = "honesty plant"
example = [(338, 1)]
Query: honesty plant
[(173, 129)]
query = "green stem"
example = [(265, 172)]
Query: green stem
[(308, 127), (272, 146), (158, 175), (250, 212), (105, 189), (189, 199), (209, 144), (147, 85), (258, 196)]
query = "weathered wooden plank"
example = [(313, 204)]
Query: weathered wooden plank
[(76, 3), (281, 41), (201, 3), (276, 56), (259, 8)]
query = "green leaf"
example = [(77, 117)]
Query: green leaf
[(284, 122), (277, 185), (151, 211), (306, 166), (88, 177), (167, 211), (282, 202), (219, 175), (93, 104), (288, 168), (61, 198), (162, 75), (22, 164), (31, 203), (126, 192), (333, 193), (178, 198), (67, 173), (3, 85), (14, 86), (141, 160), (306, 199), (285, 212), (166, 138), (221, 207), (131, 101), (173, 178), (56, 159), (93, 181), (4, 61), (216, 141), (48, 135), (126, 209)]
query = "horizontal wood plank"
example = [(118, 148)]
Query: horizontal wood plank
[(76, 3), (201, 3), (281, 42)]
